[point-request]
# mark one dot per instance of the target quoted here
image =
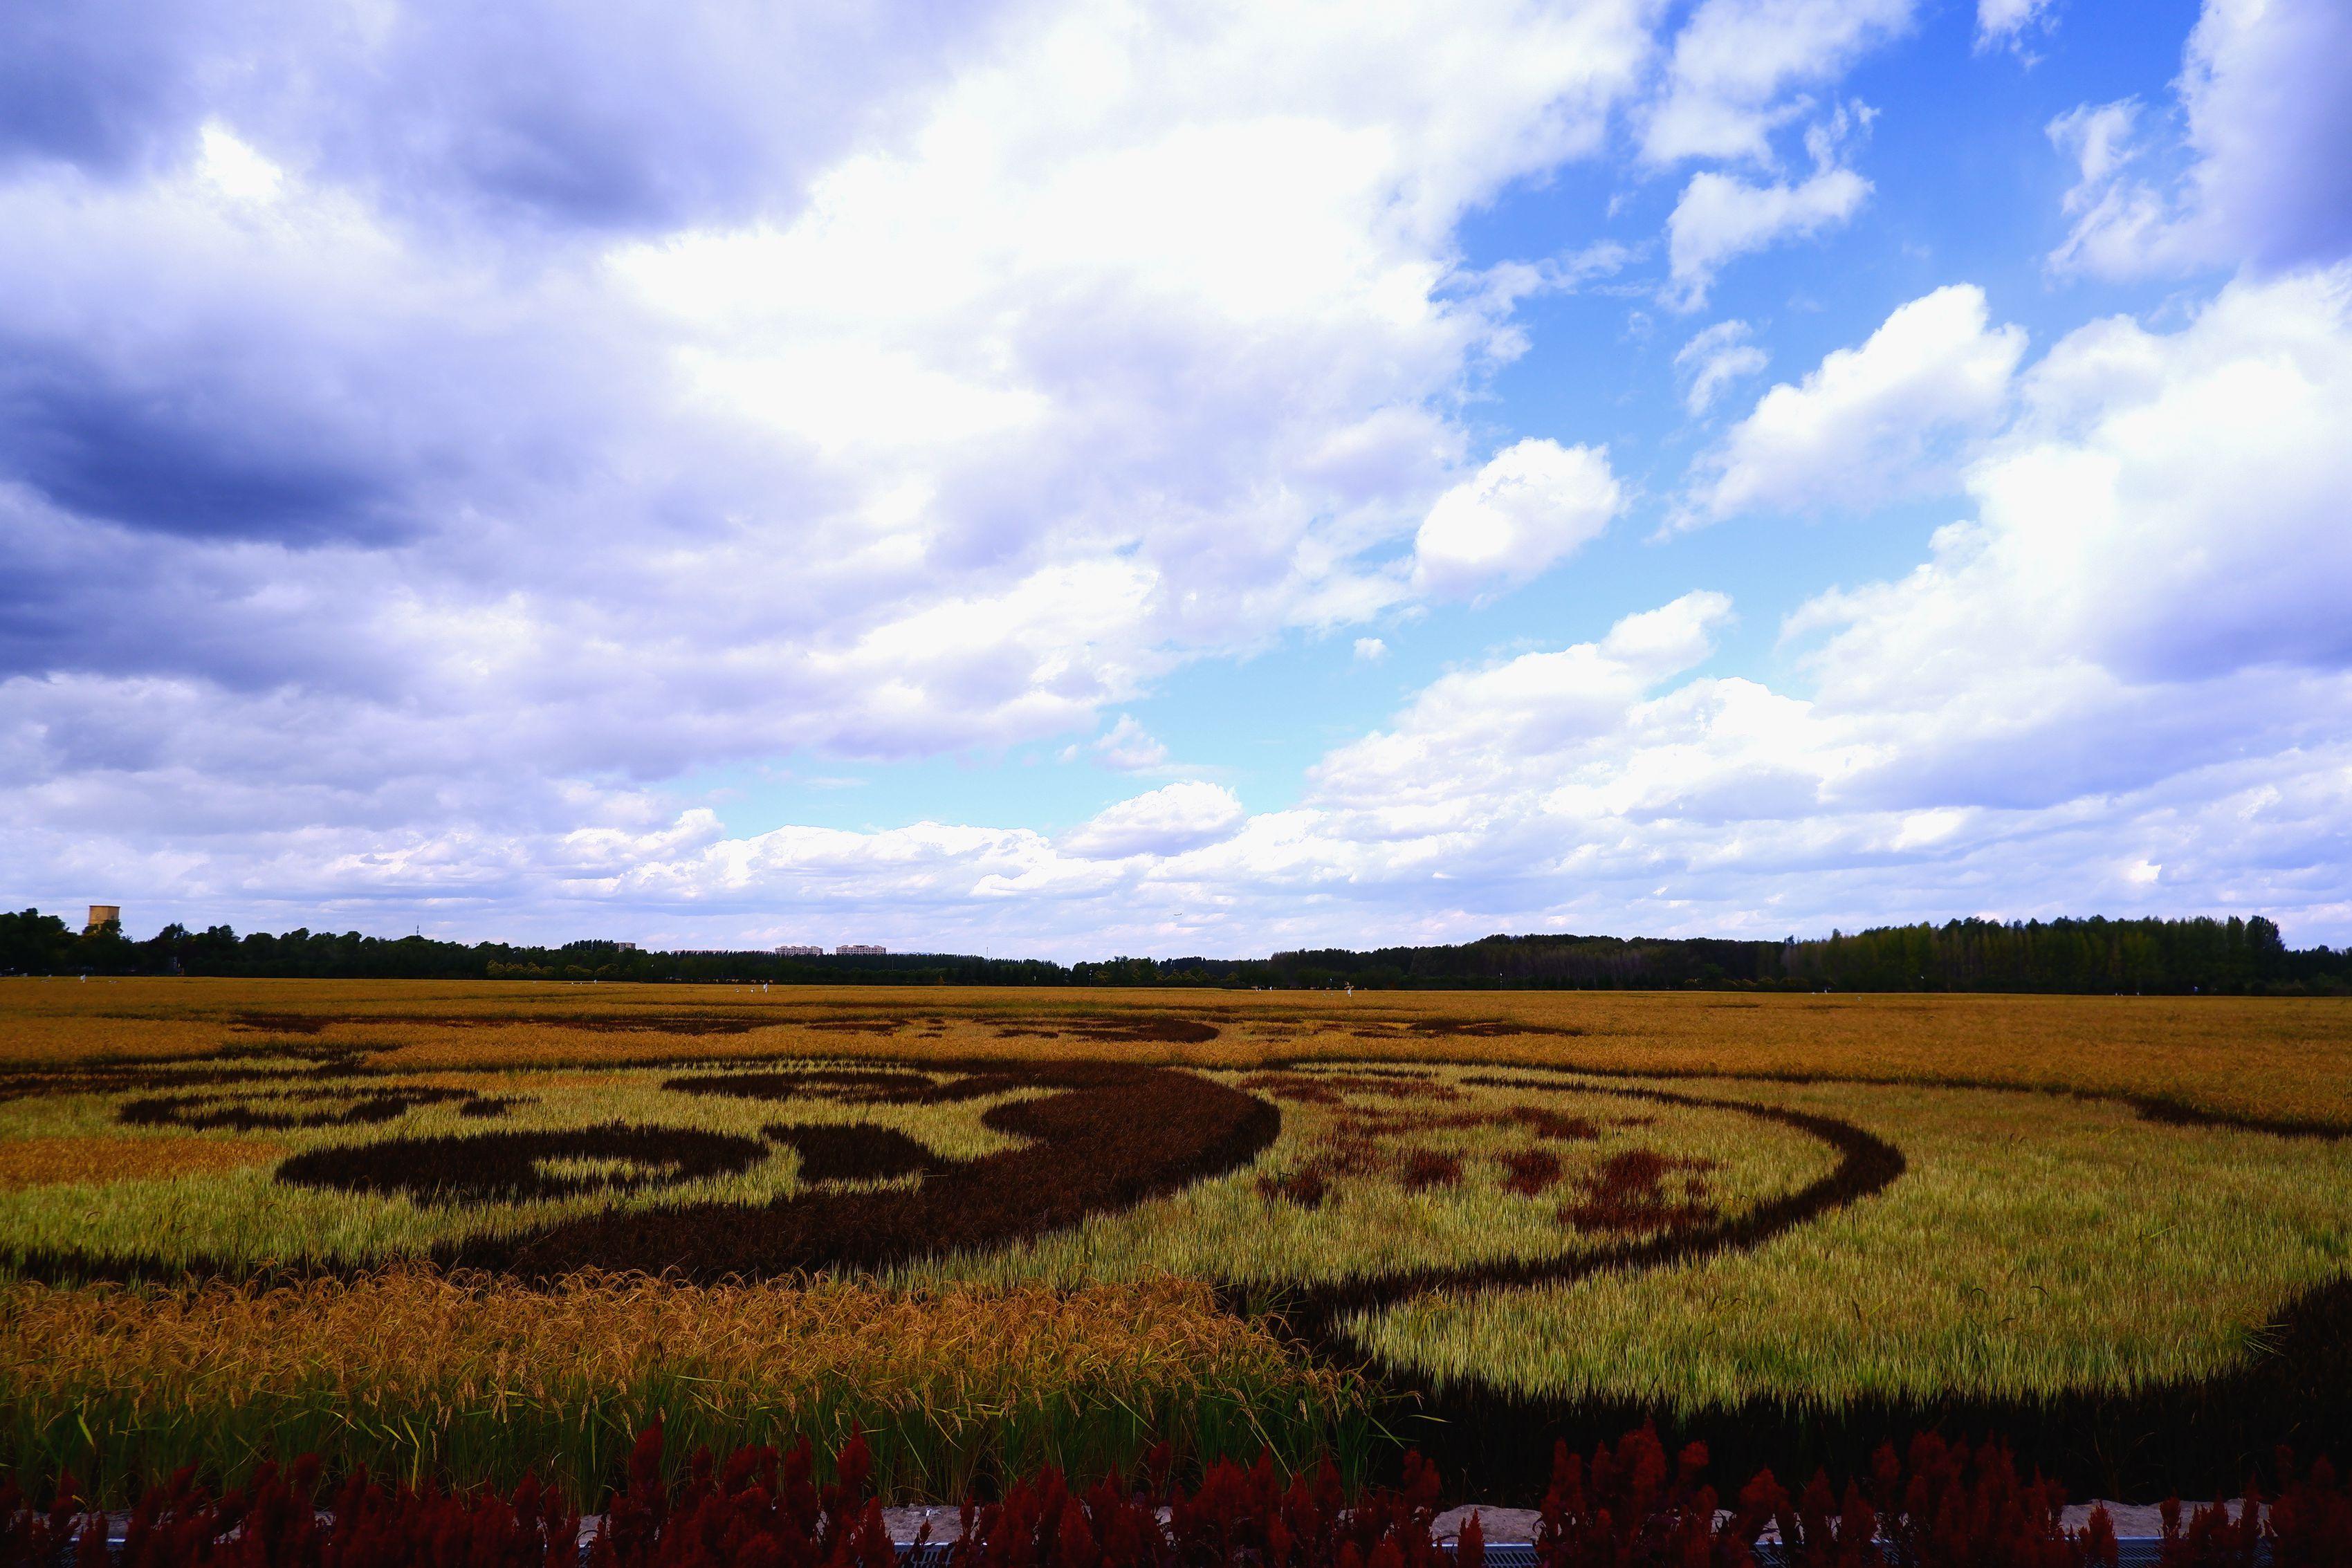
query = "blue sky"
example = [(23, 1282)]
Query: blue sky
[(1078, 478)]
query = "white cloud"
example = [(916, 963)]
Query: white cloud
[(2122, 687), (1169, 820), (1370, 650), (1472, 733), (1735, 62), (1713, 360), (816, 391), (2266, 181), (1129, 747), (2133, 657), (2165, 510), (1871, 421), (494, 468), (232, 167), (2122, 225), (1533, 503), (1721, 217), (2007, 21), (2269, 117), (2099, 140)]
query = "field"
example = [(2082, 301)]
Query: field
[(475, 1229)]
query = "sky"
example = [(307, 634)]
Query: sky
[(1063, 478)]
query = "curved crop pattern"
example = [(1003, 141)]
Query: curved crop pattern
[(1100, 1138)]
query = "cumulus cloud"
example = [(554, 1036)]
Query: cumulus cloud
[(1370, 650), (1721, 217), (2259, 178), (1129, 747), (2263, 85), (717, 389), (2007, 22), (610, 119), (413, 465), (1472, 733), (1533, 503), (2165, 509), (2123, 684), (1871, 421), (2130, 658), (1736, 64), (1167, 821), (2122, 225), (1713, 360)]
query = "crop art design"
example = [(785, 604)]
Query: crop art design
[(286, 1110), (304, 1154), (713, 1172), (515, 1167), (1520, 1218), (1085, 1138)]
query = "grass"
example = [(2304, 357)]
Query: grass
[(237, 1213), (363, 1195), (1570, 1199), (2035, 1246), (1230, 1229)]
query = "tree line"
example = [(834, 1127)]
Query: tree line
[(2236, 956)]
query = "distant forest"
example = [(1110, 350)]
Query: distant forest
[(2236, 955)]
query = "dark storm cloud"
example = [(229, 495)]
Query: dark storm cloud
[(180, 456), (95, 83), (631, 117), (634, 116)]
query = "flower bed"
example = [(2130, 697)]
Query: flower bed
[(1940, 1506)]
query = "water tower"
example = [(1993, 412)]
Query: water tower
[(101, 915)]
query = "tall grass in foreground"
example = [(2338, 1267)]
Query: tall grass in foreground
[(419, 1375)]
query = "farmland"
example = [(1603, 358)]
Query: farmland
[(477, 1228)]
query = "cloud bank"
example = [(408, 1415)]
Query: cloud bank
[(427, 439)]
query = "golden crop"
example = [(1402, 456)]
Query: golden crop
[(55, 1161), (2061, 1225), (2274, 1056), (414, 1371)]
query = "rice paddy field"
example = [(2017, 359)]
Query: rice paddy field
[(472, 1231)]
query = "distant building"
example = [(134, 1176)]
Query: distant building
[(599, 944), (789, 951), (859, 950), (101, 915)]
